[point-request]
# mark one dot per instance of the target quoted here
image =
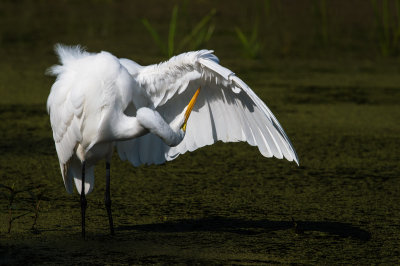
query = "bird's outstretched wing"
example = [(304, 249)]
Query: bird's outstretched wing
[(226, 110)]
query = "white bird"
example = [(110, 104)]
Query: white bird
[(99, 102)]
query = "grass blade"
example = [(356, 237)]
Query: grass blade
[(251, 46), (396, 31), (155, 36), (242, 38), (197, 28), (172, 29), (254, 33)]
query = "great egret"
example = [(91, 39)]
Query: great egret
[(99, 102)]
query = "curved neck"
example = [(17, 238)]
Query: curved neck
[(152, 120)]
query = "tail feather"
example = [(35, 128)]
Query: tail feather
[(66, 54), (66, 178), (72, 173)]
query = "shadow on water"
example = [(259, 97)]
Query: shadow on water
[(248, 227)]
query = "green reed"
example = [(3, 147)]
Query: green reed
[(387, 26), (321, 21), (252, 42), (194, 39)]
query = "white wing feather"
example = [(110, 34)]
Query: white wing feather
[(226, 110), (65, 106)]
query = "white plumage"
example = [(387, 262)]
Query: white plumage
[(99, 101), (226, 110)]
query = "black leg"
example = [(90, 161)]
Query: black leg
[(83, 200), (107, 198)]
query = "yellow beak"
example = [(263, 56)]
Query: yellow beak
[(190, 107)]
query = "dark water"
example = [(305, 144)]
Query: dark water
[(337, 99)]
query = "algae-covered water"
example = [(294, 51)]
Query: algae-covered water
[(337, 98)]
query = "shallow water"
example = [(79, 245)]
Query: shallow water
[(223, 204)]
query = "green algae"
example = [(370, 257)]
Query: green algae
[(223, 204)]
